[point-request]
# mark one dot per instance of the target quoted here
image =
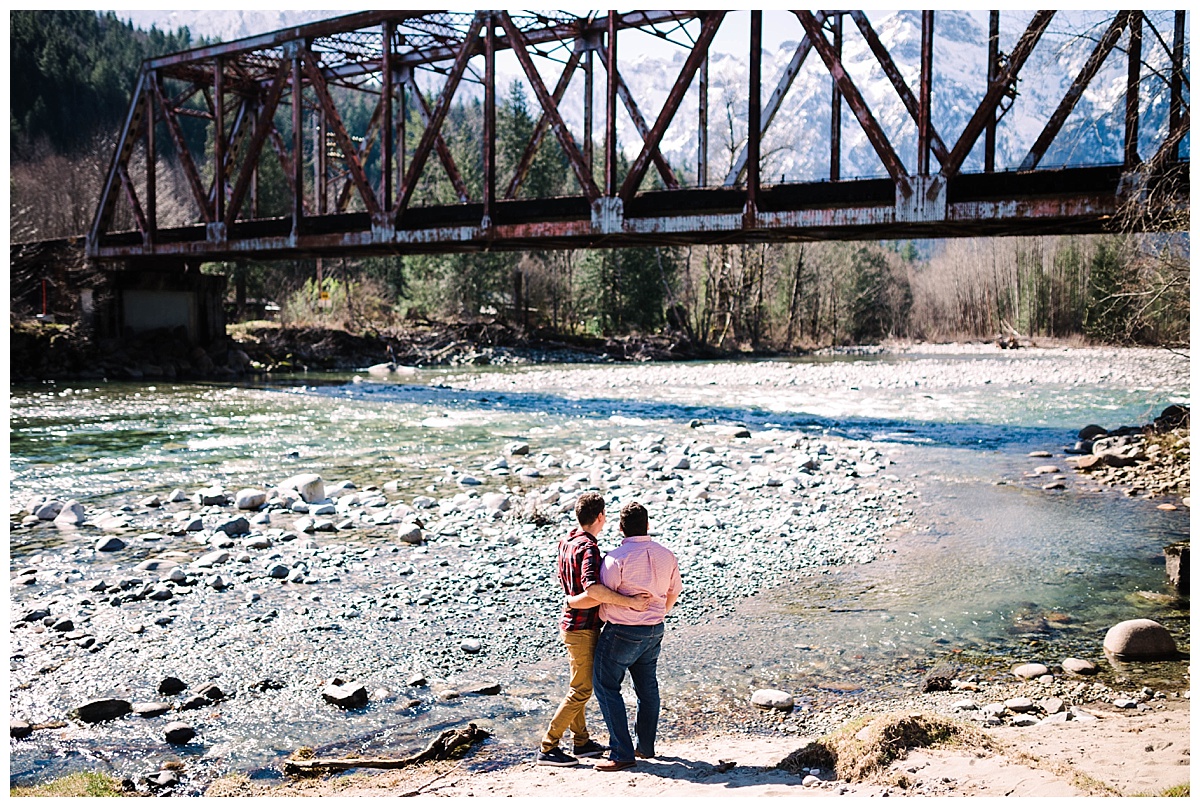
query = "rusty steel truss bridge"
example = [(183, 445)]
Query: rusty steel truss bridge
[(279, 94)]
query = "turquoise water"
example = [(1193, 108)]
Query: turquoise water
[(990, 566)]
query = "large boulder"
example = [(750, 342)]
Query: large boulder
[(773, 699), (48, 510), (179, 733), (99, 710), (410, 534), (347, 696), (71, 514), (1139, 639), (238, 525), (311, 487), (250, 499)]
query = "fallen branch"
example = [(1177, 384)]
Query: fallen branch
[(450, 744)]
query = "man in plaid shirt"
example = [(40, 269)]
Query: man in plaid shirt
[(579, 574)]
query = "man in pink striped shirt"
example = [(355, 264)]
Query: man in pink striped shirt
[(631, 640)]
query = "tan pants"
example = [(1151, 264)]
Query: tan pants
[(581, 648)]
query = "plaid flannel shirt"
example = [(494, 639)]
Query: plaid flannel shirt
[(578, 567)]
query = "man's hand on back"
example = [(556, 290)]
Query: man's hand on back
[(639, 602)]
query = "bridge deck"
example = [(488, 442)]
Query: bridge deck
[(1075, 200)]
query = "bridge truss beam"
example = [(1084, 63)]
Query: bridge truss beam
[(231, 98)]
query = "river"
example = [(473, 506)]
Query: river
[(947, 545)]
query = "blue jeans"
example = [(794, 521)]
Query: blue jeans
[(634, 648)]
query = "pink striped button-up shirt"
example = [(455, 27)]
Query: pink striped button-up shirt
[(640, 564)]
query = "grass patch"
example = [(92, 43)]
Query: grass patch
[(1182, 791), (85, 783), (862, 748)]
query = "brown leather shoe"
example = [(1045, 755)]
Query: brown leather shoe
[(641, 755), (615, 765)]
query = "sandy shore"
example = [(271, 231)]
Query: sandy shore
[(1119, 754)]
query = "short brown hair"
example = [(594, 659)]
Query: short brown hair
[(588, 508), (634, 520)]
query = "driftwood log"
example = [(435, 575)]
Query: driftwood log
[(450, 744)]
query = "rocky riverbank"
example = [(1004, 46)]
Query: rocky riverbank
[(1152, 460), (47, 351), (255, 600)]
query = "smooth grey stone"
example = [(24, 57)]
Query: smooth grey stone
[(161, 594), (211, 496), (178, 733), (19, 729), (71, 514), (323, 510), (233, 527), (63, 625), (488, 688), (410, 534), (210, 691), (1078, 667), (517, 449), (36, 615), (1052, 706), (1125, 703), (773, 699), (278, 571), (210, 559), (150, 709), (249, 499), (310, 487), (1031, 670), (110, 544), (1139, 639), (964, 706), (417, 680), (1024, 721), (471, 646), (1056, 717), (348, 696), (171, 686), (48, 510), (152, 501), (1018, 705), (193, 702)]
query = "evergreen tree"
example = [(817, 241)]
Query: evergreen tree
[(72, 74)]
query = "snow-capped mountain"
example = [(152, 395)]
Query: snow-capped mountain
[(796, 146)]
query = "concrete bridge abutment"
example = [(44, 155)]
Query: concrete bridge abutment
[(155, 295)]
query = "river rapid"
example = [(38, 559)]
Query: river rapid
[(843, 523)]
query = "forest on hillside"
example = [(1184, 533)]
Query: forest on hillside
[(72, 75)]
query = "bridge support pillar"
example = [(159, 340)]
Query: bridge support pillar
[(162, 297)]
